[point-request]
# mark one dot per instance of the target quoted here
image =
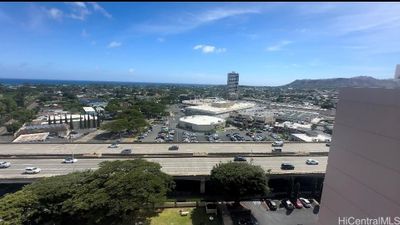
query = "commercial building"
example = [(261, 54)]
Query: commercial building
[(397, 73), (31, 138), (233, 85), (256, 117), (220, 108), (89, 110), (60, 130), (362, 179), (311, 138), (201, 123)]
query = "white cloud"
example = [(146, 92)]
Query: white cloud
[(131, 70), (114, 44), (55, 13), (279, 46), (189, 21), (209, 49), (160, 39), (80, 10), (100, 9)]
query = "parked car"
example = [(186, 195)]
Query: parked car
[(114, 145), (315, 202), (277, 144), (173, 147), (277, 149), (287, 204), (306, 203), (239, 159), (311, 162), (287, 166), (32, 170), (126, 151), (271, 204), (70, 160), (5, 164), (297, 204)]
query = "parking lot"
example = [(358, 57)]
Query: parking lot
[(282, 216)]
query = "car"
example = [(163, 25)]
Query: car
[(126, 151), (277, 144), (287, 166), (70, 160), (114, 145), (271, 204), (297, 204), (306, 203), (315, 202), (287, 204), (173, 147), (32, 170), (277, 149), (239, 159), (5, 164), (311, 162)]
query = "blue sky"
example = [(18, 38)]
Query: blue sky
[(267, 43)]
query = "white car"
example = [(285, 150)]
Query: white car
[(311, 162), (70, 160), (113, 146), (32, 170), (5, 164)]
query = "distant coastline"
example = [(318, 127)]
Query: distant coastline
[(11, 81)]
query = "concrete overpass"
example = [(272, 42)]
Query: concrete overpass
[(153, 148), (178, 167), (182, 164)]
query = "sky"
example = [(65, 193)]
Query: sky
[(266, 43)]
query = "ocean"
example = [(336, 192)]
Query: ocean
[(14, 82)]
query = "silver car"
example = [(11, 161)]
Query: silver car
[(32, 170), (5, 164)]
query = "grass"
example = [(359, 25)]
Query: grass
[(197, 216)]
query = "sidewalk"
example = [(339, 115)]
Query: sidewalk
[(226, 216)]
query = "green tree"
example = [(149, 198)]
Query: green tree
[(84, 122), (116, 126), (237, 180), (119, 192), (80, 122), (13, 127), (71, 122)]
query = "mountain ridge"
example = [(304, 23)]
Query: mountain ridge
[(358, 81)]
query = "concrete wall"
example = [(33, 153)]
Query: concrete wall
[(363, 172)]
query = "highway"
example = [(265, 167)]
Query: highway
[(62, 149), (174, 166)]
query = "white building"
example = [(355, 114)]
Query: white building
[(362, 177), (220, 108), (308, 138), (89, 110), (397, 73), (201, 123)]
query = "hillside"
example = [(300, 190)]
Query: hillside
[(361, 81)]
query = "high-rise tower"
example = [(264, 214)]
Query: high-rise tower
[(233, 85), (397, 73)]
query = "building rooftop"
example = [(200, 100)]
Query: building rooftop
[(213, 110), (31, 137), (89, 109), (201, 120)]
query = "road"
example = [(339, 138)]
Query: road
[(32, 149), (173, 166)]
